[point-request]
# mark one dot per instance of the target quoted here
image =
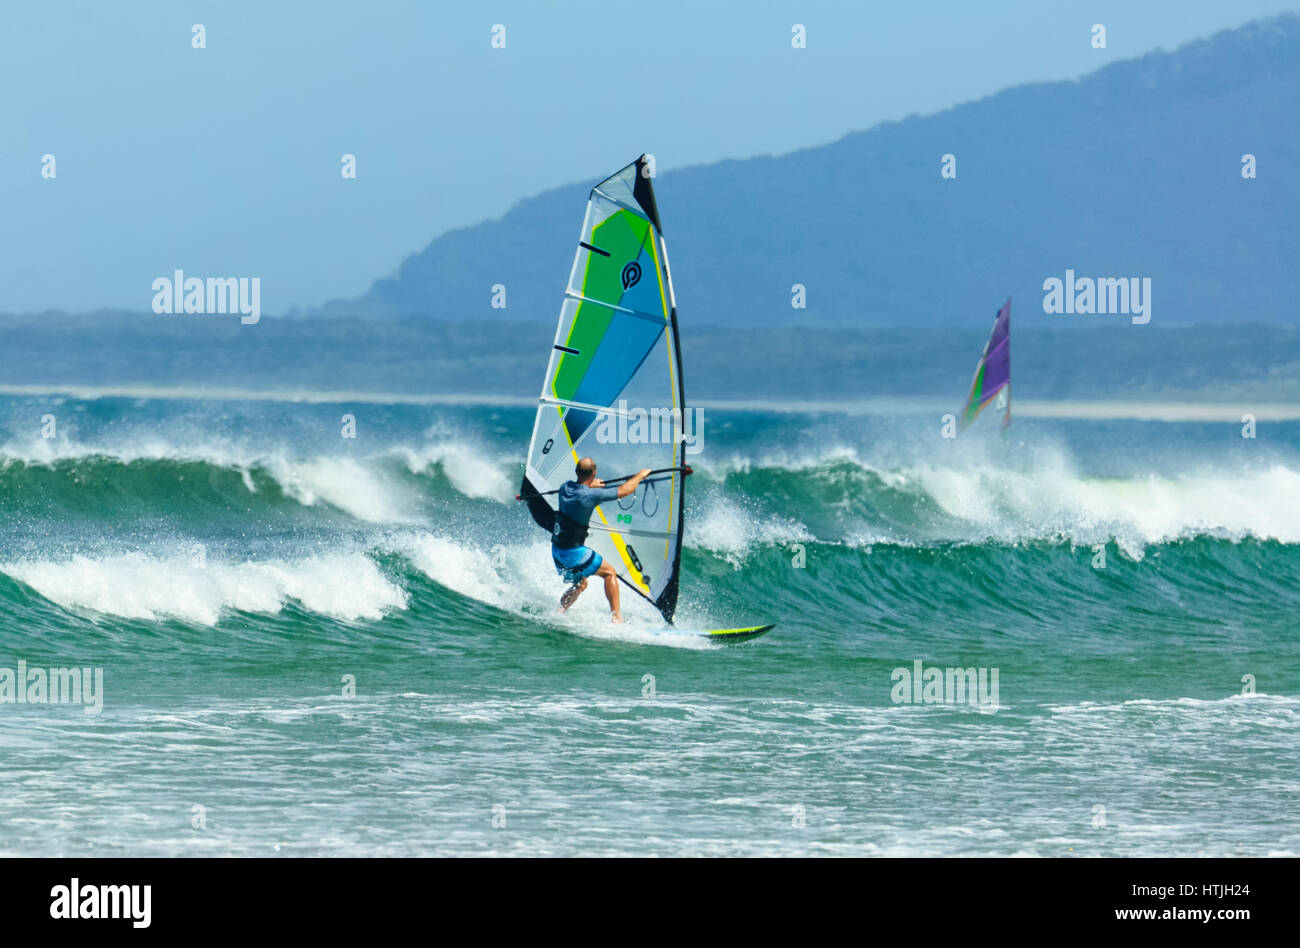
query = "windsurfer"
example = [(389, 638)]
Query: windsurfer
[(573, 559)]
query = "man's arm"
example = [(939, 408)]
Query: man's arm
[(630, 485)]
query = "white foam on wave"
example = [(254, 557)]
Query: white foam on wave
[(470, 469), (731, 530), (1011, 493), (137, 586), (1014, 504), (346, 484), (521, 579), (718, 467), (357, 486), (981, 491), (498, 577), (137, 447), (1256, 703)]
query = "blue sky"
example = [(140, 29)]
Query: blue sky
[(225, 160)]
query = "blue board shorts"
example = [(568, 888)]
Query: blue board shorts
[(576, 563)]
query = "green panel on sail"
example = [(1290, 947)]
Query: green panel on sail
[(613, 389)]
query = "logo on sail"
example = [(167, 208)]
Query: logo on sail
[(631, 275)]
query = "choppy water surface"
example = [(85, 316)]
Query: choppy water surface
[(229, 564)]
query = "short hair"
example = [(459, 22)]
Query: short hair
[(585, 469)]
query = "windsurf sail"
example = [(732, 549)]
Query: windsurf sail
[(993, 373), (613, 389)]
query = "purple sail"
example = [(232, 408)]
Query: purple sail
[(993, 373)]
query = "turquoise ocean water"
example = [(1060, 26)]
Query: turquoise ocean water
[(233, 567)]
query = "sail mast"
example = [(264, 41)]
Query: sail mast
[(667, 601)]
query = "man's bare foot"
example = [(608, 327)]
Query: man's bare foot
[(615, 618)]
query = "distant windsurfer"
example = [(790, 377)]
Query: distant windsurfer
[(573, 559)]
